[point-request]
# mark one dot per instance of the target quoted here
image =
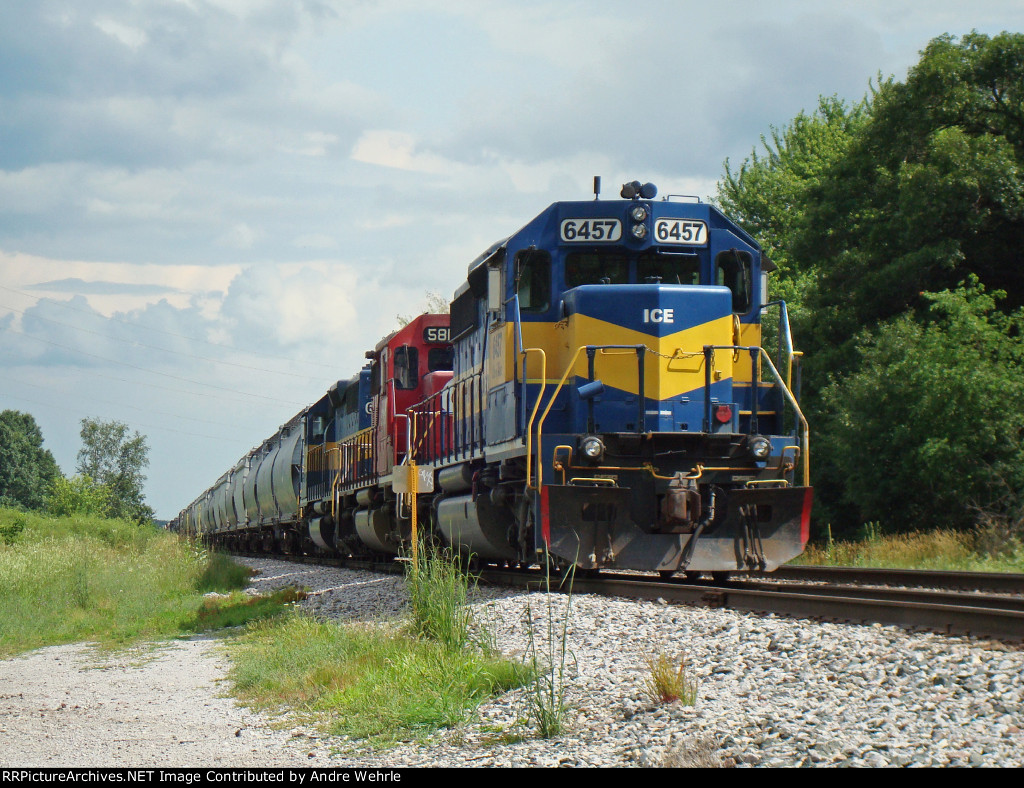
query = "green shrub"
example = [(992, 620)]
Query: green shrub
[(78, 495), (930, 428)]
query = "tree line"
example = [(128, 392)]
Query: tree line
[(109, 471), (897, 224)]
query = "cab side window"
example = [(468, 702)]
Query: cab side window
[(533, 281), (734, 269), (406, 367)]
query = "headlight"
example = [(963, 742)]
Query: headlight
[(639, 230), (592, 447), (638, 212), (760, 448)]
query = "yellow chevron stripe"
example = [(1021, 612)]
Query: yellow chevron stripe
[(673, 368)]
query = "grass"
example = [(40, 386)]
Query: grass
[(989, 548), (381, 683), (438, 592), (982, 550), (70, 579), (368, 681), (666, 682)]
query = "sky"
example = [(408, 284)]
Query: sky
[(209, 209)]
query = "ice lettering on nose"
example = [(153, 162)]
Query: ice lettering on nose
[(659, 315)]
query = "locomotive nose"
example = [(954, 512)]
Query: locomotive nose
[(638, 334)]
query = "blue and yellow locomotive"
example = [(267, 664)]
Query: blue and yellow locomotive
[(624, 412), (609, 403)]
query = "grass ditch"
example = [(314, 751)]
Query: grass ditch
[(87, 578)]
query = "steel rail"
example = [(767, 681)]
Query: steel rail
[(891, 594), (846, 605), (921, 578)]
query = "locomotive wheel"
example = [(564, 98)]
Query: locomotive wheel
[(666, 574)]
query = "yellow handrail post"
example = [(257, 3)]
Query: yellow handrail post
[(536, 407), (413, 485)]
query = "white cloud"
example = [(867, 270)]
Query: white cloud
[(131, 37), (312, 143), (398, 149), (240, 236), (318, 241)]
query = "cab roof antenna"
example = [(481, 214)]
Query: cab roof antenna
[(597, 187)]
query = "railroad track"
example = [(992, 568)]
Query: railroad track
[(833, 594), (970, 603)]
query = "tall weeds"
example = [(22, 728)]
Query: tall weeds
[(438, 595), (65, 579), (549, 657)]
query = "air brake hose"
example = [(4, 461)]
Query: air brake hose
[(691, 545)]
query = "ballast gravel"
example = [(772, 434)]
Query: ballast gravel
[(771, 692)]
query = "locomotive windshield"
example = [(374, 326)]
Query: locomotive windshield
[(668, 269), (612, 266), (439, 359), (606, 266)]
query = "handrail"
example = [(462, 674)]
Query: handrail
[(536, 406), (806, 437), (465, 400), (543, 418), (334, 482), (785, 334), (554, 395)]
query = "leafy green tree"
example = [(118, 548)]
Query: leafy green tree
[(79, 495), (768, 195), (930, 191), (113, 458), (769, 192), (26, 468), (870, 212), (930, 429)]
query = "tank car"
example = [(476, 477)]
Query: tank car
[(599, 395)]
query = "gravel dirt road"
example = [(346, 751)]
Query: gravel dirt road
[(160, 706)]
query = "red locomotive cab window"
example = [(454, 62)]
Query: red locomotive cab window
[(407, 372)]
